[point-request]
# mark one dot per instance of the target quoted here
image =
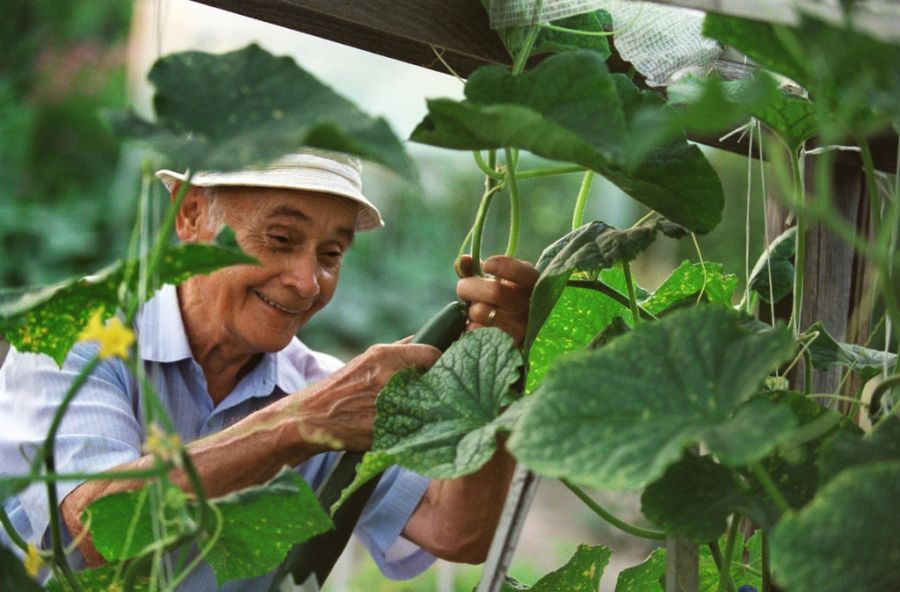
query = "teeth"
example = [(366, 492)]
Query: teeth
[(276, 305)]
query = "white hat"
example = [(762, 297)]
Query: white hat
[(310, 170)]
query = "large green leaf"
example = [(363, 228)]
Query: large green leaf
[(792, 118), (262, 523), (855, 89), (693, 499), (827, 352), (443, 423), (107, 578), (615, 418), (848, 449), (248, 107), (121, 523), (578, 316), (570, 108), (846, 538), (778, 264), (13, 575), (49, 319), (689, 282), (591, 248), (580, 574)]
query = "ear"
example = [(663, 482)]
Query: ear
[(190, 220)]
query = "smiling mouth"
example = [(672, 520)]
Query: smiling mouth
[(277, 306)]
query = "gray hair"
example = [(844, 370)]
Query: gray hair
[(215, 210)]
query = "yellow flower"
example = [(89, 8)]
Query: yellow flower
[(33, 561), (114, 337), (160, 444)]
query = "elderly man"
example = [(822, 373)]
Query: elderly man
[(250, 398)]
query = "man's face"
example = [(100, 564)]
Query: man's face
[(299, 238)]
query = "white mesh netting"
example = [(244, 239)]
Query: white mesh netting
[(662, 42)]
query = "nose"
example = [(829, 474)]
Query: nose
[(301, 275)]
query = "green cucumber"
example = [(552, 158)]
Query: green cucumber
[(319, 554), (445, 327)]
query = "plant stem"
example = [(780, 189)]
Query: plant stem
[(725, 582), (716, 554), (525, 51), (807, 371), (483, 165), (514, 210), (766, 570), (769, 485), (800, 249), (550, 171), (569, 31), (599, 286), (632, 298), (11, 531), (162, 239), (581, 200), (629, 528), (871, 185), (478, 228)]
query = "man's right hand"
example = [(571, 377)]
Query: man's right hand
[(338, 412)]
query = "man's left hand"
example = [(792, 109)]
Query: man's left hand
[(500, 300)]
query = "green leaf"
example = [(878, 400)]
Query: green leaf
[(580, 574), (248, 107), (262, 523), (591, 248), (792, 118), (121, 524), (570, 108), (106, 578), (646, 576), (549, 41), (687, 282), (443, 423), (846, 538), (575, 320), (49, 319), (848, 449), (692, 499), (827, 353), (779, 259), (13, 575), (615, 418), (855, 89)]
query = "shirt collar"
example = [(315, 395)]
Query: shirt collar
[(160, 329)]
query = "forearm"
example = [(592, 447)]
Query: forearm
[(247, 453), (456, 519)]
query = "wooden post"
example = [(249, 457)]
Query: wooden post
[(682, 565)]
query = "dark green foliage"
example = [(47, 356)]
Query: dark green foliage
[(827, 353), (570, 108), (248, 107), (609, 419), (845, 540), (12, 574)]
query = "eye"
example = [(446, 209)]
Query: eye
[(279, 239)]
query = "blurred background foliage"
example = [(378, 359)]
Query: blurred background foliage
[(62, 211)]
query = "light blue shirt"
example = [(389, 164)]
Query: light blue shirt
[(104, 427)]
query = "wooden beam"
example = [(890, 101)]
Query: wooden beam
[(403, 30)]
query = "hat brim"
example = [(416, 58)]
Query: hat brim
[(313, 179)]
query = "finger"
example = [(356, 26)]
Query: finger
[(417, 355), (514, 270), (407, 339), (463, 266), (493, 292), (487, 315)]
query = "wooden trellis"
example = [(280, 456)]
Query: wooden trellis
[(413, 30)]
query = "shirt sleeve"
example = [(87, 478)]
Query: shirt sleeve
[(389, 509), (100, 430)]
